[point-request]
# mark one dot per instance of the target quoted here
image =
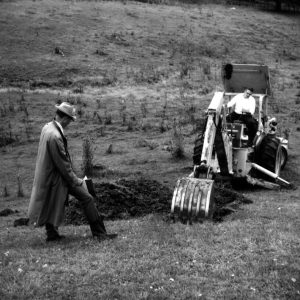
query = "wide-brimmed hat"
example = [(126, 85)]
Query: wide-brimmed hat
[(67, 109)]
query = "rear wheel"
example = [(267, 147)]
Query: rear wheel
[(269, 155), (284, 157)]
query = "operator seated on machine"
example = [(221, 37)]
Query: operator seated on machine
[(243, 105)]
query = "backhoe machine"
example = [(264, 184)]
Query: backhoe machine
[(221, 149)]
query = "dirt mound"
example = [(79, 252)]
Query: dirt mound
[(124, 199), (134, 198)]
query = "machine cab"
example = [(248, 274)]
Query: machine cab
[(238, 77)]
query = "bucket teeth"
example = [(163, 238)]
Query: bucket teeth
[(193, 198)]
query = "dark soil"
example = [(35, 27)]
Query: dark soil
[(7, 211), (135, 198)]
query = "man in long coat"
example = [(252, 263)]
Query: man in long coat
[(54, 179)]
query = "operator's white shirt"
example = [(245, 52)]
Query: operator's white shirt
[(242, 104)]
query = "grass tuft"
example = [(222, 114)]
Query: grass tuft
[(177, 142), (20, 193), (5, 191), (87, 156)]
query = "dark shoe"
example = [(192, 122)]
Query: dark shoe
[(102, 237), (98, 227), (52, 233), (55, 238)]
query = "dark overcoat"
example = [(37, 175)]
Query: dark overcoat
[(53, 176)]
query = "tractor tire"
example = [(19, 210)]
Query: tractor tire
[(198, 149), (269, 155), (284, 157)]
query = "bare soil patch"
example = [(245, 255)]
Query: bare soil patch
[(131, 198)]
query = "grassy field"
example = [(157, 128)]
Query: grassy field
[(137, 73)]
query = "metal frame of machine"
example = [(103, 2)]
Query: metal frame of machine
[(221, 149)]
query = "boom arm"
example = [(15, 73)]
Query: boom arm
[(214, 136), (213, 113)]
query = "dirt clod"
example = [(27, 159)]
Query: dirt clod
[(7, 211), (21, 222)]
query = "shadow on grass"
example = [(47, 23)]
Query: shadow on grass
[(70, 241), (291, 175)]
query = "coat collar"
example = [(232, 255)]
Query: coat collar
[(59, 125)]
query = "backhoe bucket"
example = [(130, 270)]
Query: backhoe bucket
[(193, 198)]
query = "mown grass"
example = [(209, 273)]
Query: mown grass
[(254, 255)]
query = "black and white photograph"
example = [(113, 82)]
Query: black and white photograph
[(149, 149)]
